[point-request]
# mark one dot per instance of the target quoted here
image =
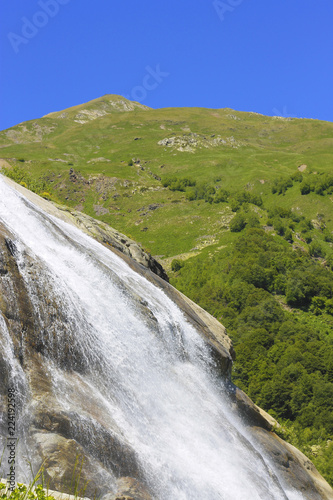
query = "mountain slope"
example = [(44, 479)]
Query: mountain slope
[(192, 185), (106, 158)]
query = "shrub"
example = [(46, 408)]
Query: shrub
[(238, 223), (279, 227), (281, 185), (176, 265), (252, 220), (328, 236), (46, 195), (316, 250), (297, 177), (329, 306), (221, 196), (305, 188), (318, 305), (176, 183), (288, 235)]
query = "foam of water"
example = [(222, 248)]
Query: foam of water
[(156, 381)]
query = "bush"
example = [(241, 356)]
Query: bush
[(307, 237), (241, 197), (281, 185), (297, 177), (176, 265), (328, 236), (221, 196), (316, 250), (190, 195), (238, 223), (279, 227), (329, 306), (22, 492), (288, 235), (177, 184), (305, 188), (46, 195), (252, 220), (318, 305)]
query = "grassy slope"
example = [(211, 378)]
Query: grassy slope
[(268, 147)]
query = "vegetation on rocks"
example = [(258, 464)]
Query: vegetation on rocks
[(22, 492)]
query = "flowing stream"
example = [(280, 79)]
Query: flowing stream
[(154, 374)]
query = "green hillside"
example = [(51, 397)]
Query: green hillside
[(113, 147), (237, 207)]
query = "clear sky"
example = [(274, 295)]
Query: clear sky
[(272, 57)]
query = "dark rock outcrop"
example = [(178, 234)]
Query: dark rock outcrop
[(109, 236)]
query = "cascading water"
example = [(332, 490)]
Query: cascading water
[(131, 346)]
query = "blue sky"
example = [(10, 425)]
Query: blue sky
[(272, 57)]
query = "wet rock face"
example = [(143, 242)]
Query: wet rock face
[(60, 433), (129, 489), (298, 471)]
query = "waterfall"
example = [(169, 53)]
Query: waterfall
[(124, 341)]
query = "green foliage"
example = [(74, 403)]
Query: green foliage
[(297, 177), (281, 185), (318, 305), (238, 223), (283, 361), (321, 184), (305, 187), (280, 212), (328, 236), (210, 193), (244, 219), (241, 197), (221, 195), (176, 265), (316, 250), (21, 176), (22, 492), (177, 184)]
